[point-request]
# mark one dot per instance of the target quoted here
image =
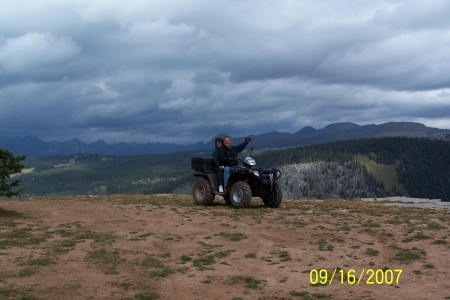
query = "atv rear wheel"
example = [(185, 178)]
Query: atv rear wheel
[(202, 192), (273, 199), (240, 195)]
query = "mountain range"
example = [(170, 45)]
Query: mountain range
[(33, 146)]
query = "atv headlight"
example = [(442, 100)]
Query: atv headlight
[(256, 173), (249, 161)]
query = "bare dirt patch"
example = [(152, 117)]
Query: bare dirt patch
[(165, 247)]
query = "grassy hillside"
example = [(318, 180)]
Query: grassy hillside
[(94, 174), (403, 166), (387, 174)]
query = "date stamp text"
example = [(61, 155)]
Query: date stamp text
[(355, 277)]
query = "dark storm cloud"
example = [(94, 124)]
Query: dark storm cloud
[(184, 71)]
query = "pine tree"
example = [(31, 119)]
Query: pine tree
[(9, 165)]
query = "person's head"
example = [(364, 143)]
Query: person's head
[(227, 141), (218, 142)]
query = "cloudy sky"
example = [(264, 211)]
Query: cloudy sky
[(183, 71)]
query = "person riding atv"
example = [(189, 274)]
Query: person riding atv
[(244, 182), (228, 156)]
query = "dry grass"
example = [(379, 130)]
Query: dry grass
[(163, 246)]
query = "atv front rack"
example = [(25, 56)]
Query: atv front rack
[(271, 174)]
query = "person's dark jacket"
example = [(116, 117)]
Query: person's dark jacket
[(215, 156), (228, 156)]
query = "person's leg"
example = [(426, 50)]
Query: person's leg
[(226, 175), (220, 178)]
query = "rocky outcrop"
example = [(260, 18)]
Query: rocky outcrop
[(325, 180)]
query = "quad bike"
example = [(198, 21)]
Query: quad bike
[(245, 181)]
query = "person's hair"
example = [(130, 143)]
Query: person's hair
[(227, 136), (218, 139)]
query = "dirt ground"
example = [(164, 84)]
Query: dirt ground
[(165, 247)]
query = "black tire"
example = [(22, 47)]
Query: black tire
[(202, 192), (240, 195), (273, 199)]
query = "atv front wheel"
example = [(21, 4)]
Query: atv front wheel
[(273, 199), (240, 195), (202, 192)]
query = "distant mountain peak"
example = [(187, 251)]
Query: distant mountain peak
[(33, 146), (341, 126), (306, 130)]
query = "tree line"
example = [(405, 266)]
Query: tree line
[(422, 167)]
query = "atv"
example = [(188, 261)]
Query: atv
[(245, 181)]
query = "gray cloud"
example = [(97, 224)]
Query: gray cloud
[(183, 71)]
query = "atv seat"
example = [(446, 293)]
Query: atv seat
[(203, 164)]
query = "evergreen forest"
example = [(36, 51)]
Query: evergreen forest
[(416, 167)]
